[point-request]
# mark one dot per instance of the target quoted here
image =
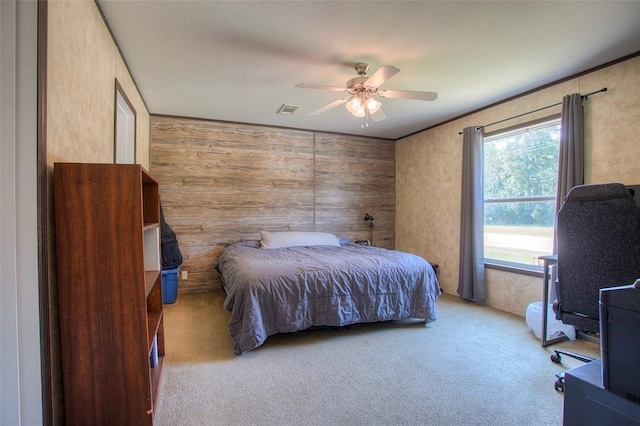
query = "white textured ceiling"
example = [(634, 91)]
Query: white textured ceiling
[(240, 60)]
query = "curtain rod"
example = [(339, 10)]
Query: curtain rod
[(604, 89)]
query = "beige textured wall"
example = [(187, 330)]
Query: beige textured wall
[(82, 65), (428, 172)]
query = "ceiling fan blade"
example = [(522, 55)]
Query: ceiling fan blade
[(408, 94), (378, 116), (318, 86), (383, 74), (329, 106)]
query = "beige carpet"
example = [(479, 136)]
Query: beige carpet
[(472, 366)]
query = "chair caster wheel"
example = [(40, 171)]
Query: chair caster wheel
[(559, 384), (556, 358)]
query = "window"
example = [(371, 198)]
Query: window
[(520, 180)]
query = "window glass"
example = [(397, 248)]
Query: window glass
[(520, 180)]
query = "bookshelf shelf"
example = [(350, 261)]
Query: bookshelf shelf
[(110, 292)]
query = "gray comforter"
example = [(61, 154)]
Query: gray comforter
[(290, 289)]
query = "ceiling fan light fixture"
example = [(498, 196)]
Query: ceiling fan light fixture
[(372, 105), (361, 90), (354, 105)]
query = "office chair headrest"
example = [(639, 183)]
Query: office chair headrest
[(600, 191)]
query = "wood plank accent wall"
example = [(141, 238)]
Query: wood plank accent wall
[(222, 182)]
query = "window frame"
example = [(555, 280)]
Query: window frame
[(503, 265)]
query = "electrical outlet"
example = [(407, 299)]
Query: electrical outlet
[(185, 275)]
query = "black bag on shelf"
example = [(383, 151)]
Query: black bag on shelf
[(171, 256)]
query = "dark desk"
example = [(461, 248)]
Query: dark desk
[(587, 403)]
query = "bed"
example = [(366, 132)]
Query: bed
[(281, 287)]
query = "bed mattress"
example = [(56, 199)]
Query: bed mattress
[(295, 288)]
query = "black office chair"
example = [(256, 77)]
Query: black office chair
[(598, 236)]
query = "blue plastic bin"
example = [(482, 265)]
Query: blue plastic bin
[(170, 285)]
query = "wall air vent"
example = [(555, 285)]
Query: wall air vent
[(286, 109)]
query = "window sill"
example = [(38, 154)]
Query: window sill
[(533, 271)]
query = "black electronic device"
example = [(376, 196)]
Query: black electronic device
[(620, 340)]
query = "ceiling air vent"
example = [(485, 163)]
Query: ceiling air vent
[(286, 109)]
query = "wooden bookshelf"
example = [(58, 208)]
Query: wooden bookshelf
[(110, 292)]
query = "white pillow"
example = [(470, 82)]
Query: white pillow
[(274, 240)]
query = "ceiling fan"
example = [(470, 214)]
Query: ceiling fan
[(361, 91)]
